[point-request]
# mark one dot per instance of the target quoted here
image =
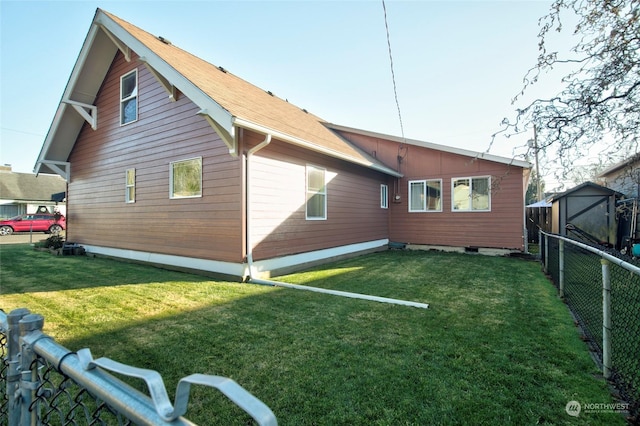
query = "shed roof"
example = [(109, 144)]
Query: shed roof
[(583, 186)]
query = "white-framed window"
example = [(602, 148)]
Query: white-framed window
[(185, 178), (425, 195), (316, 204), (129, 97), (471, 194), (130, 186), (384, 196)]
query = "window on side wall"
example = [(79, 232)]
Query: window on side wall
[(425, 195), (130, 186), (185, 178), (384, 196), (316, 193), (471, 194), (129, 97)]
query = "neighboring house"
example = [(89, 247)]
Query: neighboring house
[(623, 177), (22, 193), (175, 161)]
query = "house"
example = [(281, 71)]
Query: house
[(22, 193), (587, 212), (624, 177), (172, 160)]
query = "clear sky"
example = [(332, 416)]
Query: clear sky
[(457, 64)]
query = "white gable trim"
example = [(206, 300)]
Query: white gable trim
[(197, 96), (104, 39)]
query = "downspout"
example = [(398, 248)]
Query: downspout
[(264, 143), (254, 280)]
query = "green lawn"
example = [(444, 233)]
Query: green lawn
[(496, 346)]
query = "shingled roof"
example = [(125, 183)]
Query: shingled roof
[(226, 100), (27, 187)]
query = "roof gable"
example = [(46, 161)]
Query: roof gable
[(225, 100), (587, 186)]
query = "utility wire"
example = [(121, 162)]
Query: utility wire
[(393, 75)]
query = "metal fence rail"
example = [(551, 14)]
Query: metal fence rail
[(602, 289), (43, 383)]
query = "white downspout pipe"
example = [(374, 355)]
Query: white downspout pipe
[(252, 279), (264, 143), (342, 293)]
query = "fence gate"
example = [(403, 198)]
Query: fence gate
[(43, 383)]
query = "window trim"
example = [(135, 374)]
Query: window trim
[(470, 208), (129, 186), (425, 205), (172, 195), (384, 196), (323, 192), (134, 94)]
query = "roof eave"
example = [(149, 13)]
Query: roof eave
[(314, 147), (434, 146)]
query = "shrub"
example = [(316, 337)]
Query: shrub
[(54, 242)]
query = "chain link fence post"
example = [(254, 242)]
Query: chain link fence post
[(606, 318), (29, 372), (561, 270), (546, 254), (14, 367)]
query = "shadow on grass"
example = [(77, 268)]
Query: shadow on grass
[(25, 270)]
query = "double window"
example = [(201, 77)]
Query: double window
[(316, 208), (425, 195), (185, 178), (129, 97), (471, 194)]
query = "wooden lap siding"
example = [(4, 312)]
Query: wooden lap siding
[(502, 227), (278, 196), (208, 227)]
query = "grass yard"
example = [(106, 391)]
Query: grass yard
[(496, 346)]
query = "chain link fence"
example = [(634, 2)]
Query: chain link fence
[(43, 383), (602, 289)]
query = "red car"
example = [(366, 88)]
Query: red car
[(37, 222)]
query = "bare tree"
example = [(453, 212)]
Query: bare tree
[(600, 99)]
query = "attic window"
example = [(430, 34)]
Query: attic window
[(129, 97)]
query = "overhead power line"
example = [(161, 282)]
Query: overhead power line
[(393, 75)]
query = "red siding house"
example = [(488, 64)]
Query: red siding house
[(174, 161)]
